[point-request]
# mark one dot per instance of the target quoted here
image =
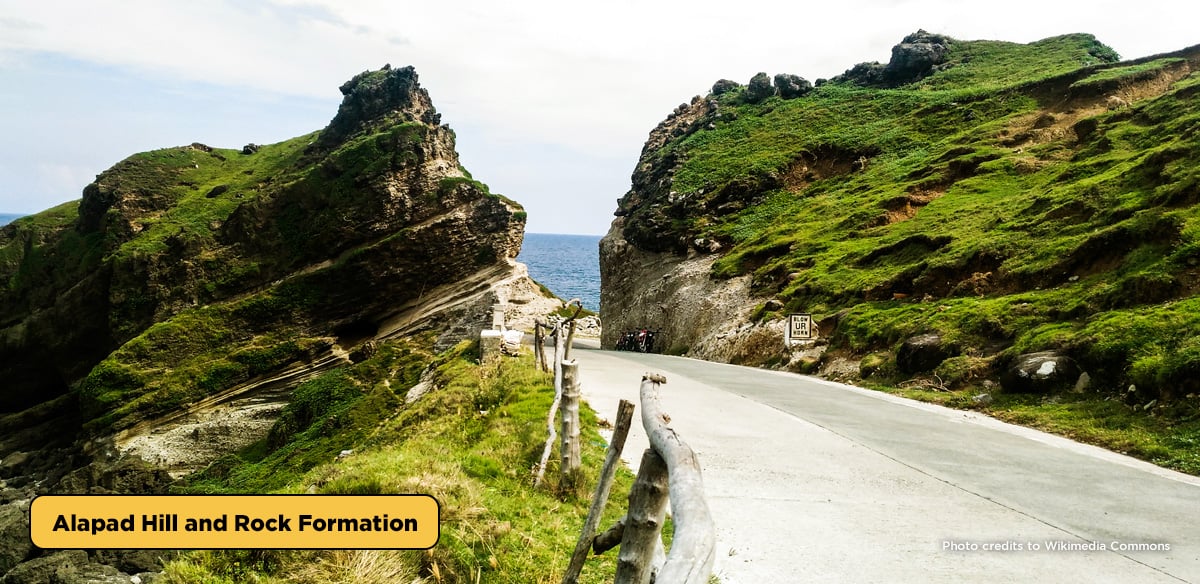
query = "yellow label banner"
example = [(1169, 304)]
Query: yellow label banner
[(235, 521)]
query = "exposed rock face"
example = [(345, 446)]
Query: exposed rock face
[(1041, 372), (674, 294), (375, 213), (650, 204)]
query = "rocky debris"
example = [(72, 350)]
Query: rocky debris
[(128, 474), (55, 567), (15, 546), (983, 399), (792, 86), (759, 89), (723, 86), (923, 353), (250, 148), (135, 561), (1041, 372)]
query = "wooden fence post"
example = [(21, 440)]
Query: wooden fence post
[(539, 347), (641, 543), (558, 391), (693, 547), (571, 323), (607, 475), (569, 450)]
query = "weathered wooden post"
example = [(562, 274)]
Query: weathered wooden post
[(641, 553), (558, 391), (539, 346), (694, 544), (571, 323), (607, 475), (569, 449)]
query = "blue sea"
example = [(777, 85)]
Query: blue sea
[(569, 265), (6, 218)]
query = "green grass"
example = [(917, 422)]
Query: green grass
[(968, 203), (470, 443)]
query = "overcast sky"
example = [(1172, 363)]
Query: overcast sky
[(551, 101)]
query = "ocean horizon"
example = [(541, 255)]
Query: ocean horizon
[(569, 265)]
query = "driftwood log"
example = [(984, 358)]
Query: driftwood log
[(693, 547), (607, 474), (641, 556)]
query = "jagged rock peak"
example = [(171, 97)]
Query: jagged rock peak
[(917, 55), (374, 98)]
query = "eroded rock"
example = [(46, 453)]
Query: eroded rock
[(1041, 372), (792, 86), (759, 89)]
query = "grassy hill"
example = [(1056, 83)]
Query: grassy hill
[(1010, 198)]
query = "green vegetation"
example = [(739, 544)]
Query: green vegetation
[(470, 443), (1019, 198), (999, 202)]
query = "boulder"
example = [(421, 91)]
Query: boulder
[(915, 57), (14, 537), (792, 86), (759, 89), (1040, 372), (93, 574), (723, 86), (51, 568), (135, 561), (923, 353)]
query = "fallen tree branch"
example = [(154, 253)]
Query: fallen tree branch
[(693, 547)]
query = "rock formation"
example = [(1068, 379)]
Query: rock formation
[(915, 222), (188, 278)]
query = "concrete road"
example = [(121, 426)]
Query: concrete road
[(813, 481)]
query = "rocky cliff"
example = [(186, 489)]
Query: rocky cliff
[(190, 279), (943, 216), (329, 234)]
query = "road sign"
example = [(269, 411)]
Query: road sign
[(800, 328)]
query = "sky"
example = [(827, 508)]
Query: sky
[(551, 101)]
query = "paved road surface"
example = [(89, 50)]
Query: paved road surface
[(812, 481)]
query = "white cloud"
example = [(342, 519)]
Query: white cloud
[(590, 78)]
